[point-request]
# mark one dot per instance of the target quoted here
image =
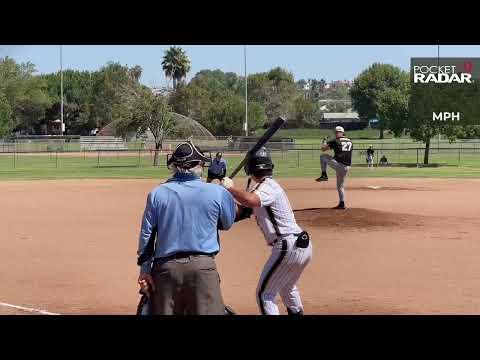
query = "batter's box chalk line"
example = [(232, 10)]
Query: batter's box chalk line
[(28, 309)]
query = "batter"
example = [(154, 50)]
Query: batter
[(291, 247)]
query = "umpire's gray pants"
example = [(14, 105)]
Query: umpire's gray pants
[(340, 169), (187, 286)]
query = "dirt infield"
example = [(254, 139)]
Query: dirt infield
[(405, 246)]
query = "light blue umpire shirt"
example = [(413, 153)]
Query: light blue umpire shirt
[(187, 213)]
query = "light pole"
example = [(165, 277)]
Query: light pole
[(61, 90), (246, 90)]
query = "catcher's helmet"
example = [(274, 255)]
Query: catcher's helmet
[(259, 163), (187, 155)]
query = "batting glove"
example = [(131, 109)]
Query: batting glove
[(227, 183)]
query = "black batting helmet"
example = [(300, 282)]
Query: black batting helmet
[(259, 164), (187, 155)]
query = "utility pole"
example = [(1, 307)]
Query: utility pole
[(246, 90), (61, 90)]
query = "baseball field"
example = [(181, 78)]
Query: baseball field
[(408, 243)]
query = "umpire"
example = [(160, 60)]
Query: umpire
[(178, 269)]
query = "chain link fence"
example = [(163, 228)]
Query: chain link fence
[(300, 157)]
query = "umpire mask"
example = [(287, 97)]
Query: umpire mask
[(187, 156)]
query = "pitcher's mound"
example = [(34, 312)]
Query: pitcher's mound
[(354, 218)]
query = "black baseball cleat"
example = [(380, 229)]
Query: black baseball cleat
[(340, 206), (322, 178), (229, 310), (292, 313)]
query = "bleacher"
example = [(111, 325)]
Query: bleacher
[(102, 143)]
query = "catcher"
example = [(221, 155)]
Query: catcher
[(217, 168), (291, 247)]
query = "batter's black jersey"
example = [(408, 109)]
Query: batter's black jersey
[(342, 148), (370, 152)]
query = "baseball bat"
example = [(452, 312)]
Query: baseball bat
[(277, 124)]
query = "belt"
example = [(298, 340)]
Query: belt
[(182, 255), (283, 236)]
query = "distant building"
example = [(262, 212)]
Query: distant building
[(163, 91), (337, 83), (349, 121)]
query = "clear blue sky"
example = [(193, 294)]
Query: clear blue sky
[(328, 62)]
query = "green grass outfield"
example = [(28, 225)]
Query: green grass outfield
[(288, 164)]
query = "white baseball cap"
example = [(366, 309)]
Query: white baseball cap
[(339, 129)]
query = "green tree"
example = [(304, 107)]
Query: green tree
[(216, 100), (421, 127), (192, 101), (275, 91), (370, 84), (302, 86), (77, 94), (340, 92), (176, 65), (136, 72), (337, 106), (227, 115), (305, 113), (25, 93), (144, 113), (280, 77), (90, 97), (393, 109), (110, 87), (216, 81), (316, 88), (256, 116), (6, 124)]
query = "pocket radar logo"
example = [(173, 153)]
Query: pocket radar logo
[(445, 90), (443, 74)]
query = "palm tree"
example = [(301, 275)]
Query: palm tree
[(176, 65), (136, 72)]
